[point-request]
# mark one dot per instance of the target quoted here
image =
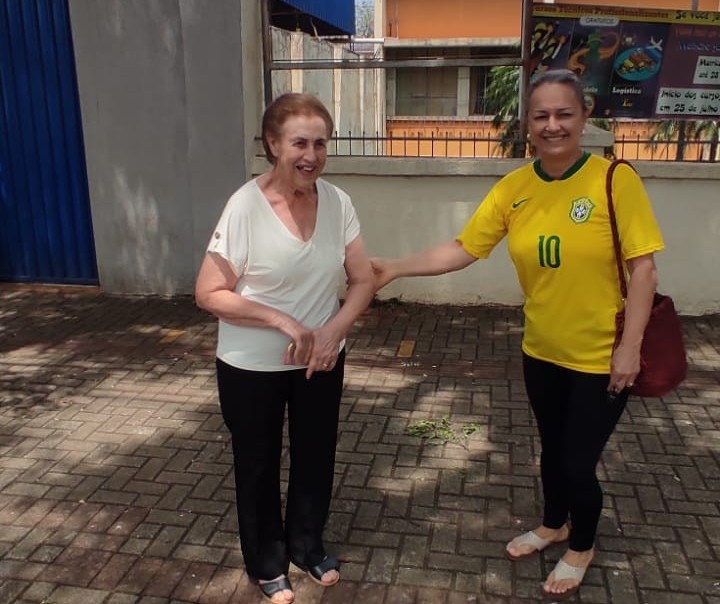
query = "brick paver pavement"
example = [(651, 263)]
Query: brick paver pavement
[(116, 483)]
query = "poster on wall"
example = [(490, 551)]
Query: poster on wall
[(635, 63)]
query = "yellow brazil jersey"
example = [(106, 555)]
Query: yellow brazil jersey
[(560, 241)]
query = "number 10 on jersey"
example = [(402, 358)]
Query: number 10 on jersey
[(549, 251)]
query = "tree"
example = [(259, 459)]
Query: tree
[(714, 131), (364, 19), (683, 132), (669, 130), (504, 97)]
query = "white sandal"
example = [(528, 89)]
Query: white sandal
[(530, 538), (562, 572)]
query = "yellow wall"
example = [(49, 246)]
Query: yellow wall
[(488, 18)]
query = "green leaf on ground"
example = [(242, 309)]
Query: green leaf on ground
[(440, 431)]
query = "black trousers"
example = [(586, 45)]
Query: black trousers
[(253, 406), (575, 417)]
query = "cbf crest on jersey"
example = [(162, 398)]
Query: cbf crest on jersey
[(581, 209)]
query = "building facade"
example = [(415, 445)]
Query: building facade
[(452, 100)]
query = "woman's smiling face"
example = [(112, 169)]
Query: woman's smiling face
[(301, 149), (556, 119)]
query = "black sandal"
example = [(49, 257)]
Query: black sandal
[(270, 588), (316, 572)]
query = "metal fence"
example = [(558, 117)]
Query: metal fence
[(626, 147), (635, 147), (420, 146)]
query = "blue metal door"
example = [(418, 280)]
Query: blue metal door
[(45, 223)]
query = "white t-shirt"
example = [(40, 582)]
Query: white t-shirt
[(277, 269)]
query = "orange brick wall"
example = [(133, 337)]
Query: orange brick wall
[(424, 138), (488, 18), (427, 138), (460, 18)]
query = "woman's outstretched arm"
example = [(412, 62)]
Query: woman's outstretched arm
[(437, 260)]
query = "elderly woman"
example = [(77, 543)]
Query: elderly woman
[(554, 212), (272, 274)]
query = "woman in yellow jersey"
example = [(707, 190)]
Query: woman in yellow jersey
[(554, 213)]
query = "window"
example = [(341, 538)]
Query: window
[(480, 104), (426, 91)]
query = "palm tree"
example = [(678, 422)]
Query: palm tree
[(707, 131), (504, 100), (682, 132), (668, 131), (714, 131)]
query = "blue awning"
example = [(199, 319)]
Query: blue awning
[(318, 16)]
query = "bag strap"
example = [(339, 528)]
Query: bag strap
[(613, 224)]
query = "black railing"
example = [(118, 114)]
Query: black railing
[(473, 146), (420, 145), (634, 147)]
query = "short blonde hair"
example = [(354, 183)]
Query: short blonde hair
[(558, 76)]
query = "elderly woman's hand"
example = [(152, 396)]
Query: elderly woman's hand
[(326, 343), (300, 349)]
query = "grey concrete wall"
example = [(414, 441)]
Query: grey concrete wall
[(350, 93), (354, 97), (317, 81), (253, 96), (163, 119), (281, 80), (406, 204)]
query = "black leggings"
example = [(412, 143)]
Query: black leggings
[(575, 417), (253, 407)]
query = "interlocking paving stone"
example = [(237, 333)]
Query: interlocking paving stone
[(116, 483)]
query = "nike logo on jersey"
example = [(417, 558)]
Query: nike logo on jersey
[(519, 202)]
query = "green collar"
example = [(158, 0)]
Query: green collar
[(568, 173)]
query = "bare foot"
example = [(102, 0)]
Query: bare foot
[(579, 561), (330, 578), (517, 549)]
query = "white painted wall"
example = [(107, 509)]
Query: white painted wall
[(407, 204)]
